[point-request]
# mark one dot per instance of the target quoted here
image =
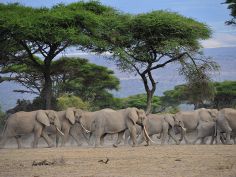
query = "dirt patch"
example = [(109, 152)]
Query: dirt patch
[(167, 160)]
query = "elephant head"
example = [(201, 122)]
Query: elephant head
[(137, 116), (178, 122), (213, 113), (70, 115), (179, 126), (52, 118), (79, 114)]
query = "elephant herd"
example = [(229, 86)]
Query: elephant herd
[(131, 123)]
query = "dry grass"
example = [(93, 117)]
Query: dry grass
[(168, 160)]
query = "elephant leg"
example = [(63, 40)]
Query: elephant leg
[(202, 141), (132, 130), (57, 139), (212, 139), (37, 135), (18, 141), (164, 135), (127, 135), (218, 136), (119, 138), (171, 135), (98, 134), (228, 138), (47, 139), (141, 138), (91, 139), (185, 138), (4, 141), (76, 138), (102, 139), (65, 137)]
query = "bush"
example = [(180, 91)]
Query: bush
[(66, 101)]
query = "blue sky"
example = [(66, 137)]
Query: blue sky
[(211, 12)]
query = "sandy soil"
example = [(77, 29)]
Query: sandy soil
[(167, 160)]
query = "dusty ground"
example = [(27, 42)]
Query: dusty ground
[(167, 160)]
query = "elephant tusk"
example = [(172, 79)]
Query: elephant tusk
[(60, 132), (87, 131), (145, 131), (184, 129)]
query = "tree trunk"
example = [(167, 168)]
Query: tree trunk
[(149, 102), (47, 88), (47, 92)]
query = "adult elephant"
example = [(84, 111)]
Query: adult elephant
[(68, 126), (226, 123), (200, 120), (22, 123), (161, 124), (85, 120), (108, 121)]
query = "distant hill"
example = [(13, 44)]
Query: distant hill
[(130, 84)]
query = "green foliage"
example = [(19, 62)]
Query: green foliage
[(225, 94), (90, 82), (232, 7), (219, 95), (25, 31), (66, 101), (139, 101), (145, 42), (174, 97)]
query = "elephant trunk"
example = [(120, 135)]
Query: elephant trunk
[(57, 124), (82, 125)]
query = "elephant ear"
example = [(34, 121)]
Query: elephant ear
[(42, 118), (169, 118), (133, 115), (70, 115)]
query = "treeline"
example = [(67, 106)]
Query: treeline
[(224, 96)]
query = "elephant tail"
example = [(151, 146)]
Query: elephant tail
[(215, 133)]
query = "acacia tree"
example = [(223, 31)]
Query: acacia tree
[(26, 31), (74, 76), (146, 42)]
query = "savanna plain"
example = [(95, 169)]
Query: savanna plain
[(155, 160)]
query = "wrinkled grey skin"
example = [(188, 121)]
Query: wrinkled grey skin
[(110, 122), (198, 120), (68, 127), (160, 124), (226, 123), (23, 123)]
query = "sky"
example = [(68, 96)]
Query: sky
[(211, 12)]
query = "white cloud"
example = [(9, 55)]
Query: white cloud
[(220, 40)]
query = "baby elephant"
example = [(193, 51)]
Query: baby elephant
[(160, 123)]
